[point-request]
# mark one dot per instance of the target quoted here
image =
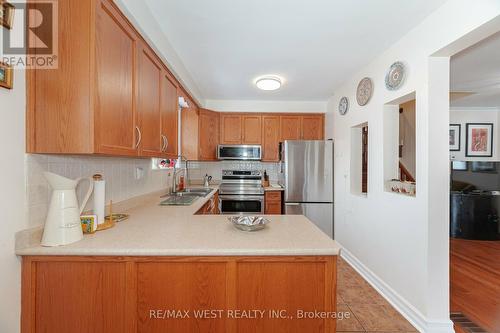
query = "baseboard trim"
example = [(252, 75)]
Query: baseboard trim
[(415, 317)]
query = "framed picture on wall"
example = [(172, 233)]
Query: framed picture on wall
[(6, 75), (6, 14), (479, 140), (455, 137)]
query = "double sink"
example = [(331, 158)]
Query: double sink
[(185, 197)]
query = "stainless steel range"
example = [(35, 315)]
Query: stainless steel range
[(241, 192)]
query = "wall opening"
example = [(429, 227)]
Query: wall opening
[(359, 159), (400, 164)]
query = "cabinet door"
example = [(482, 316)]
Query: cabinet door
[(230, 129), (148, 103), (169, 115), (208, 135), (290, 128), (193, 286), (68, 294), (252, 129), (312, 127), (270, 138), (116, 50), (189, 129)]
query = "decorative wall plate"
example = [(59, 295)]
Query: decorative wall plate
[(364, 92), (395, 77), (343, 105)]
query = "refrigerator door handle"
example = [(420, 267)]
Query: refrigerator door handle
[(292, 204)]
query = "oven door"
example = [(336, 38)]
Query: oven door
[(239, 152), (241, 204)]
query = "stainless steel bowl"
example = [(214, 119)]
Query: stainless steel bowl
[(248, 223)]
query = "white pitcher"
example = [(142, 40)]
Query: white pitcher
[(63, 224)]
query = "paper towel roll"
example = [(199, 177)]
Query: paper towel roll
[(99, 198)]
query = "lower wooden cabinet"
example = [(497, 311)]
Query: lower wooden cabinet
[(211, 207), (177, 294), (272, 203)]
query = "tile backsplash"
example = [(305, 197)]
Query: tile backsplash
[(119, 173), (197, 170)]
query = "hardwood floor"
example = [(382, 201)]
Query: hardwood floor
[(475, 281), (364, 310)]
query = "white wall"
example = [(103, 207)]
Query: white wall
[(265, 106), (463, 116), (401, 243), (12, 199)]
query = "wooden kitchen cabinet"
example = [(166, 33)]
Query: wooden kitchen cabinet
[(104, 97), (230, 129), (272, 203), (313, 127), (302, 127), (240, 129), (211, 207), (208, 135), (291, 127), (189, 129), (169, 115), (108, 294), (252, 129), (116, 52), (150, 141), (270, 138)]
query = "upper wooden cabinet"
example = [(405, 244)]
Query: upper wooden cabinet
[(189, 130), (269, 129), (230, 129), (208, 124), (169, 115), (270, 138), (148, 103), (291, 127), (238, 129), (115, 112), (313, 127), (302, 127), (107, 95), (251, 129)]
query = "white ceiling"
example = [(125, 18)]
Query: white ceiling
[(314, 45), (477, 70)]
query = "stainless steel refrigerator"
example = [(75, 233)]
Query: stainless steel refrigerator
[(306, 173)]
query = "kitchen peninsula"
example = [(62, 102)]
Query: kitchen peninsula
[(159, 270)]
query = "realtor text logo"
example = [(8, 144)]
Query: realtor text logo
[(32, 40)]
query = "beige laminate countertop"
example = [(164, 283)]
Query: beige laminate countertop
[(154, 230), (273, 187)]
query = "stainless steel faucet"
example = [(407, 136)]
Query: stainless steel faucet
[(177, 170)]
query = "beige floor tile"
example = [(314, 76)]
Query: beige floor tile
[(360, 294), (349, 323), (380, 318), (349, 278)]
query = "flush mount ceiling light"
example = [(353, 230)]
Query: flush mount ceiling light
[(268, 83)]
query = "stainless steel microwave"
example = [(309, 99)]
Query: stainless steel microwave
[(239, 152)]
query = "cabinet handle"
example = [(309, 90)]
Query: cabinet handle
[(139, 137), (163, 143), (166, 142)]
